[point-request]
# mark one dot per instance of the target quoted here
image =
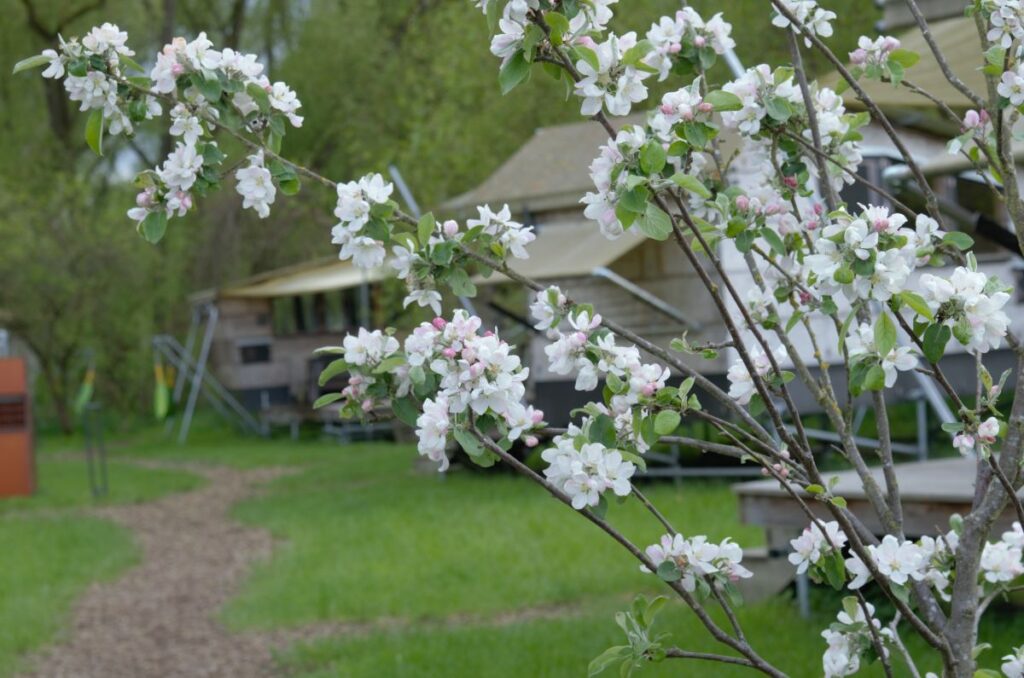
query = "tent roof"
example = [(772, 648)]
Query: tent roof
[(550, 171), (958, 40), (568, 251), (316, 276)]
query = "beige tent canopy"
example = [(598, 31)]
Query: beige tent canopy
[(320, 275), (958, 40), (568, 251)]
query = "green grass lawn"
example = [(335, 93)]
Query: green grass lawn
[(50, 552), (45, 563), (64, 483)]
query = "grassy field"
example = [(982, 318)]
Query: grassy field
[(50, 552), (466, 574)]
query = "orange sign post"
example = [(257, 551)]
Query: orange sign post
[(17, 467)]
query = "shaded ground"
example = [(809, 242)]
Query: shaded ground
[(160, 618)]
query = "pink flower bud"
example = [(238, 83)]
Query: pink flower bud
[(185, 199), (765, 472), (675, 48), (531, 441), (367, 405), (772, 209), (705, 107), (586, 41), (819, 209), (449, 352), (648, 390), (742, 203), (439, 323), (667, 109), (145, 198), (890, 43), (580, 338), (971, 119), (489, 333), (880, 224), (355, 380), (450, 228), (858, 57), (790, 181), (476, 369), (700, 41), (537, 416), (177, 69), (805, 298), (469, 355)]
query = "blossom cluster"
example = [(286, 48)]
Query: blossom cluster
[(686, 36), (697, 561), (861, 346), (810, 19), (850, 639), (95, 72), (360, 203), (585, 470), (514, 22), (462, 377), (971, 304), (932, 560), (813, 544), (741, 382), (1005, 21)]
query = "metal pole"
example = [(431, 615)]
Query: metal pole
[(922, 428), (197, 377)]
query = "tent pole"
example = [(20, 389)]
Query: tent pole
[(197, 377)]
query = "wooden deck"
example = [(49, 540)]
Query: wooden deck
[(931, 492)]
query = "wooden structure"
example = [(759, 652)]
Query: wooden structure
[(931, 492), (17, 465)]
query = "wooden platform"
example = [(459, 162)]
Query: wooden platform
[(931, 492)]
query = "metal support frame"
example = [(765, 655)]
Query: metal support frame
[(95, 451), (194, 370)]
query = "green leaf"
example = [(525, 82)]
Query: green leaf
[(588, 55), (655, 223), (209, 86), (602, 430), (31, 62), (634, 200), (959, 240), (666, 422), (333, 369), (259, 96), (94, 131), (389, 364), (406, 411), (289, 185), (875, 378), (779, 109), (723, 101), (558, 24), (916, 302), (904, 57), (668, 571), (613, 654), (425, 228), (774, 241), (154, 226), (515, 71), (692, 184), (326, 399), (469, 442), (843, 275), (834, 568), (815, 489), (934, 341), (885, 334), (131, 63), (460, 284), (652, 157)]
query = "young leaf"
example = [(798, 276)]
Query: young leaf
[(723, 101), (514, 72), (610, 656), (154, 226), (469, 443), (666, 422), (916, 302), (655, 223), (333, 369), (31, 62), (406, 411), (326, 399), (934, 341), (652, 157), (425, 228), (691, 184), (94, 131), (961, 241), (885, 335)]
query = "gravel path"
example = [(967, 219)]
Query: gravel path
[(159, 619)]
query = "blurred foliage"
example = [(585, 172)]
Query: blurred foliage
[(409, 82)]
